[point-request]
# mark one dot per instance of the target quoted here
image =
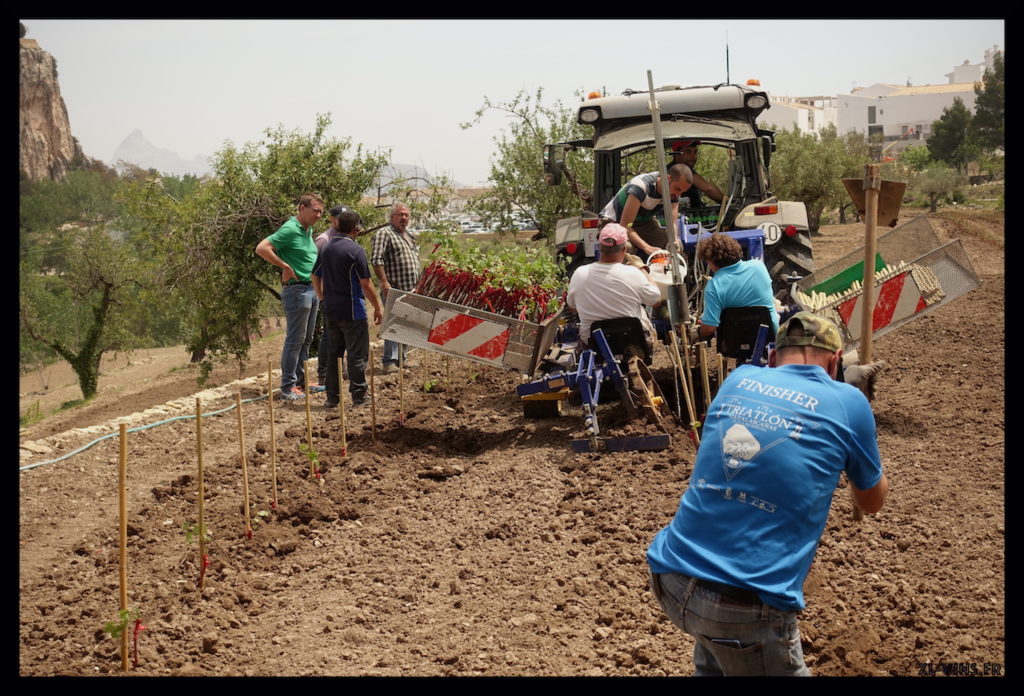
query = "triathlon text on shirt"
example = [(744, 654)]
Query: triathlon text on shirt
[(798, 398)]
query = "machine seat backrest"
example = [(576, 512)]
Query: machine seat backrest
[(737, 331), (623, 333)]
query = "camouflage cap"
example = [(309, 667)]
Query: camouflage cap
[(818, 333)]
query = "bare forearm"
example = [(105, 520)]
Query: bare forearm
[(371, 294), (266, 251), (872, 500)]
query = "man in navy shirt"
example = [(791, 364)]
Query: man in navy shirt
[(341, 279)]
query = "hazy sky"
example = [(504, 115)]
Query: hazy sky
[(406, 85)]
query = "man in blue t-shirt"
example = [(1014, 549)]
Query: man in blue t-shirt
[(341, 279), (730, 567)]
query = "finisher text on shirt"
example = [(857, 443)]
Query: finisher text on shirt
[(798, 398)]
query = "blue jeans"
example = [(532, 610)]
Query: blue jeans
[(300, 309), (351, 337), (391, 352), (730, 638)]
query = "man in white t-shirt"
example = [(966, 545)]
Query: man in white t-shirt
[(609, 289)]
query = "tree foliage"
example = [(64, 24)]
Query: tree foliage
[(987, 125), (936, 182), (916, 157), (810, 168), (85, 278), (949, 142), (517, 173), (82, 310)]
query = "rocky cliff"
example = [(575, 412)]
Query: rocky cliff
[(47, 146)]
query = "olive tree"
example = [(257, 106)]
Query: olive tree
[(810, 168), (81, 310), (937, 182)]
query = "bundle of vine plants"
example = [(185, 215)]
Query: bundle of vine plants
[(512, 280)]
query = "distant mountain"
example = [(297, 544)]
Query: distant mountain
[(398, 171), (136, 150)]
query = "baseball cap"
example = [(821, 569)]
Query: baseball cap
[(337, 210), (613, 234), (680, 144), (818, 333)]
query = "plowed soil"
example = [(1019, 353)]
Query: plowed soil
[(456, 537)]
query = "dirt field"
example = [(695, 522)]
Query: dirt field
[(473, 542)]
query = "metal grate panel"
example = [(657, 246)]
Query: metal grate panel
[(917, 244)]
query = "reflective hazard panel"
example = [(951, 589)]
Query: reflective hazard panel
[(461, 333)]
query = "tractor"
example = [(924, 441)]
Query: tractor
[(724, 116)]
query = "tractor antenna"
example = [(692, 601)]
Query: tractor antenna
[(727, 58)]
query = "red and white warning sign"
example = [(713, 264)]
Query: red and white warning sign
[(466, 335), (896, 299)]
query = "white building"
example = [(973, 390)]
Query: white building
[(894, 111), (806, 114), (907, 111), (972, 72)]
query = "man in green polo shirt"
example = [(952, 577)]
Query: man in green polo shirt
[(292, 250)]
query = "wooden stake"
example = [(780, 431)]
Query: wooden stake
[(341, 411), (401, 385), (373, 401), (202, 493), (273, 441), (872, 186), (687, 388), (309, 419), (245, 467), (122, 500), (447, 373), (688, 369), (426, 372), (702, 356), (677, 383)]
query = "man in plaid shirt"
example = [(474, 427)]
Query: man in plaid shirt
[(395, 258)]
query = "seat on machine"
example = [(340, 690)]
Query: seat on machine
[(737, 331), (624, 333)]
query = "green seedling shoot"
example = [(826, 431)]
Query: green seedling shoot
[(314, 458), (195, 531), (117, 629), (260, 516)]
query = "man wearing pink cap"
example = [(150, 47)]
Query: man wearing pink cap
[(609, 289)]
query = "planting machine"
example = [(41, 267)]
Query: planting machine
[(546, 348)]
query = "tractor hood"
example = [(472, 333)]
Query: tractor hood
[(726, 128)]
